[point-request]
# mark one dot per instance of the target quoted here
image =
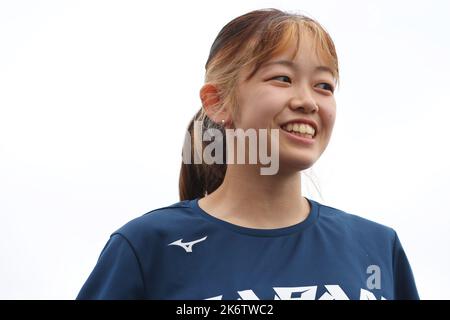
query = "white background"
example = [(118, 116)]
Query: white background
[(95, 97)]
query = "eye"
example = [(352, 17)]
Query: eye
[(328, 86), (285, 77)]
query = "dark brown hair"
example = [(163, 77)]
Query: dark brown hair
[(247, 41)]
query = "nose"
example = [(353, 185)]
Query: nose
[(303, 100)]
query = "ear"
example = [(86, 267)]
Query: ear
[(210, 97)]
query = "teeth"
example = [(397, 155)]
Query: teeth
[(300, 128)]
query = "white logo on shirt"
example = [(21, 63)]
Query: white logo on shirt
[(334, 292), (186, 245)]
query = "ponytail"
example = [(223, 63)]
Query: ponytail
[(198, 180)]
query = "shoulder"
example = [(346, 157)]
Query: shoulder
[(158, 223), (354, 225)]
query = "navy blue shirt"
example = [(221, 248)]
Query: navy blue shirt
[(182, 252)]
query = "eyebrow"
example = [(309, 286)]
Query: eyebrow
[(292, 65)]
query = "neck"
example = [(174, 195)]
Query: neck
[(252, 200)]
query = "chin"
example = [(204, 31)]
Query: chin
[(296, 163)]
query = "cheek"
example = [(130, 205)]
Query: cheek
[(259, 110), (328, 116)]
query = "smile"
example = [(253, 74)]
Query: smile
[(304, 138)]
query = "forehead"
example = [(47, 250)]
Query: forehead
[(308, 54), (307, 58), (300, 52), (293, 65)]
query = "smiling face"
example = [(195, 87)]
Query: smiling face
[(279, 93)]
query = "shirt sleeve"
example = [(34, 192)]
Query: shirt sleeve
[(117, 274), (404, 284)]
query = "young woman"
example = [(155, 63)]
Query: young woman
[(237, 233)]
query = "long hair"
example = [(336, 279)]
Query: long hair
[(247, 41)]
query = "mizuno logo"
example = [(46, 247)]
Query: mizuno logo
[(186, 245)]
